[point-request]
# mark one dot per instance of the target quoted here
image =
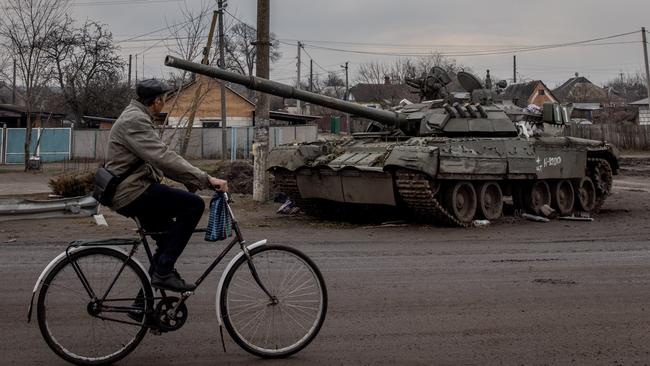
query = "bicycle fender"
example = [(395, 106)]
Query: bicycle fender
[(225, 271), (60, 258)]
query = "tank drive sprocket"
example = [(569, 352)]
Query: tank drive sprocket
[(601, 174)]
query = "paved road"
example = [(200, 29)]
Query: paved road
[(513, 293)]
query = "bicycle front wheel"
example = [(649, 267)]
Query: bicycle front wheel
[(91, 308), (286, 322)]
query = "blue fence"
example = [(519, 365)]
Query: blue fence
[(51, 144)]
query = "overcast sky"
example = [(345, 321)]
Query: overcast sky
[(415, 27)]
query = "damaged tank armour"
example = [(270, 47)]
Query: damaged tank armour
[(448, 161)]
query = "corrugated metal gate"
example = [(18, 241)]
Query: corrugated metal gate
[(54, 145)]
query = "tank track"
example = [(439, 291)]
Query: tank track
[(419, 194), (595, 167)]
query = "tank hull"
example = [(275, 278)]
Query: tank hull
[(417, 173)]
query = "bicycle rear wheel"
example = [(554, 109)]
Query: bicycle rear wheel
[(82, 329), (274, 328)]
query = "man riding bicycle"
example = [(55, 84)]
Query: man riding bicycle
[(134, 142)]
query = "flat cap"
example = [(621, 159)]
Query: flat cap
[(151, 88)]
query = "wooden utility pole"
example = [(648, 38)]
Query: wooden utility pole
[(514, 69), (298, 103), (13, 88), (345, 97), (311, 82), (222, 64), (261, 146), (311, 75), (136, 68), (199, 94), (130, 61), (645, 56)]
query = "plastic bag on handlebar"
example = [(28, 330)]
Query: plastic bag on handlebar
[(220, 222)]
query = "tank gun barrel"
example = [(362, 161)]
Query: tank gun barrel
[(286, 91)]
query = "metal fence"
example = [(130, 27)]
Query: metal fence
[(51, 144), (205, 143), (625, 137)]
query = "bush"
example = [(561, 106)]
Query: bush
[(72, 185), (238, 173)]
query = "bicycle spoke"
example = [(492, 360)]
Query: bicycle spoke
[(77, 324), (288, 321)]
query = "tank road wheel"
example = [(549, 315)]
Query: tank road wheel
[(461, 201), (586, 195), (490, 200), (539, 195), (563, 197)]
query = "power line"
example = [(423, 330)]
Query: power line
[(588, 42), (122, 2), (168, 27)]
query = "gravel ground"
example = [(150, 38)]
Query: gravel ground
[(512, 293)]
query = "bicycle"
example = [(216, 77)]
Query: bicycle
[(95, 300)]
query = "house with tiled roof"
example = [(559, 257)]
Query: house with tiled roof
[(524, 94), (382, 96), (580, 90), (240, 111)]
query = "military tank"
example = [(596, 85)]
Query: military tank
[(447, 161)]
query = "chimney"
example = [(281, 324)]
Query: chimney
[(577, 75), (386, 80)]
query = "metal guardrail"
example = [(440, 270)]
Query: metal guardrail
[(22, 209)]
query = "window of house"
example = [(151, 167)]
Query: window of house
[(210, 123), (542, 92)]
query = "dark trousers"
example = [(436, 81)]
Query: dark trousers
[(173, 211)]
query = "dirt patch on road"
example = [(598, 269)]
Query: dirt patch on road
[(635, 166)]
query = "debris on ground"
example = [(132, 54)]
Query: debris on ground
[(553, 281), (577, 218), (288, 208), (100, 220), (481, 223), (547, 211), (534, 218), (398, 223)]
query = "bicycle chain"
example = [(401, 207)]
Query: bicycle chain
[(418, 192)]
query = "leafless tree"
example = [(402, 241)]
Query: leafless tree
[(188, 39), (374, 72), (241, 50), (84, 61), (631, 87), (24, 31)]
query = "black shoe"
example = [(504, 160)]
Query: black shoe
[(137, 315), (171, 281)]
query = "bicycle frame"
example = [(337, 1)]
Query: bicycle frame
[(134, 243)]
